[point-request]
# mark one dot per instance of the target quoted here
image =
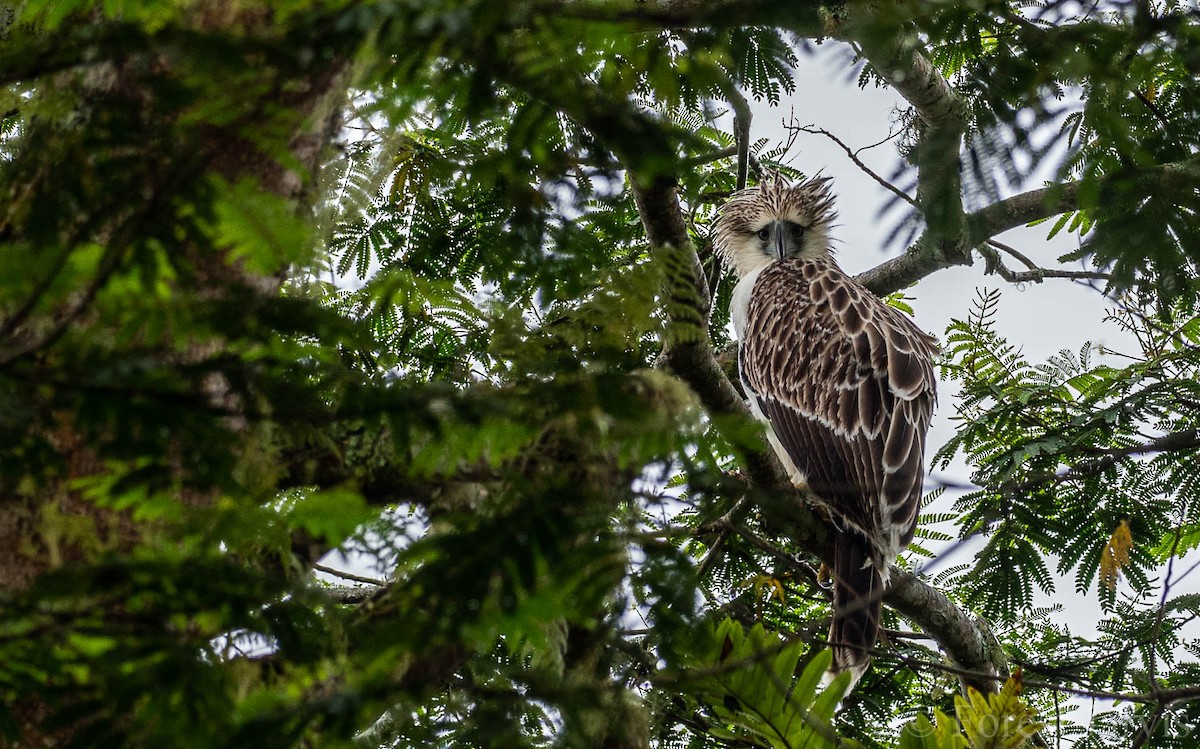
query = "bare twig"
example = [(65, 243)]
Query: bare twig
[(1025, 260), (853, 156), (348, 575), (1035, 274)]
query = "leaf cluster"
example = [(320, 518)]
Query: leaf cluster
[(1087, 467), (438, 357)]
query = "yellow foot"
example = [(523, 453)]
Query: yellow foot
[(825, 576)]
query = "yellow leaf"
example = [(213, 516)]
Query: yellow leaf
[(773, 587), (997, 721), (1115, 555)]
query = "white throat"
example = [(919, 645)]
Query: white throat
[(739, 303)]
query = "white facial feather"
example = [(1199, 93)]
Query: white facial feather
[(808, 204)]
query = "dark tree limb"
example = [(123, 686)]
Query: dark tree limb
[(742, 117), (1053, 200), (1188, 439), (1022, 209), (921, 260), (806, 17), (924, 257), (708, 158)]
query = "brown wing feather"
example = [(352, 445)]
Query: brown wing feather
[(847, 383)]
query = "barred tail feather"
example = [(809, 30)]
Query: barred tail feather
[(857, 604)]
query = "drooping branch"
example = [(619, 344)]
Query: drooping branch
[(853, 156), (711, 156), (966, 639)]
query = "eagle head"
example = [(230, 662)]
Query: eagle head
[(774, 221)]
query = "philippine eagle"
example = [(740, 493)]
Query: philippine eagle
[(844, 382)]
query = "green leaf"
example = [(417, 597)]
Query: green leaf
[(919, 733), (90, 646), (997, 721), (331, 514), (751, 683), (261, 231)]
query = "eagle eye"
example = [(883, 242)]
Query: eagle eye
[(763, 233), (797, 231)]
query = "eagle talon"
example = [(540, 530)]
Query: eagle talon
[(825, 576)]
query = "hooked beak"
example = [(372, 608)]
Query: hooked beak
[(780, 243)]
